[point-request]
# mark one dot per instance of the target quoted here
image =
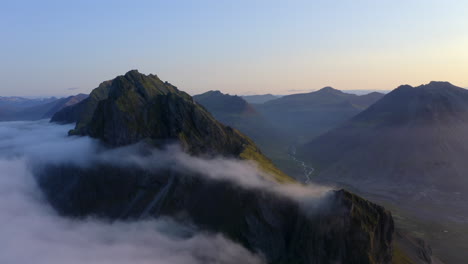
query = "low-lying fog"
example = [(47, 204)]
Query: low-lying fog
[(33, 233)]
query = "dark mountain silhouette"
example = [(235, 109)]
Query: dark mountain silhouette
[(137, 107)]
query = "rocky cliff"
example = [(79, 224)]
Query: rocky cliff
[(343, 229)]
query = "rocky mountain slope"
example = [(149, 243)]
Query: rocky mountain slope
[(343, 229)]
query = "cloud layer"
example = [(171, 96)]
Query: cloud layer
[(32, 231)]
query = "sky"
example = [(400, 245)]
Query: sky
[(239, 47)]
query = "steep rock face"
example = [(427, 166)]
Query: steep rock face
[(343, 229), (139, 107)]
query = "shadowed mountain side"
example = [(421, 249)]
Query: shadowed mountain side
[(408, 149), (412, 135)]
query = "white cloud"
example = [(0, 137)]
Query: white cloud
[(33, 233)]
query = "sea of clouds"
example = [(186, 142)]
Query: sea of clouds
[(32, 232)]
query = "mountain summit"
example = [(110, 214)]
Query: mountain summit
[(135, 107)]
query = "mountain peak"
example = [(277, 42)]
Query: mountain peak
[(437, 85), (132, 72), (133, 81), (405, 86), (214, 92), (217, 102), (137, 107), (328, 89)]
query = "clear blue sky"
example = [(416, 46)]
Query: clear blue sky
[(239, 47)]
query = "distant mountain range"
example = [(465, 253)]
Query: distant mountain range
[(413, 136), (260, 99), (305, 116), (410, 149), (280, 124), (19, 108)]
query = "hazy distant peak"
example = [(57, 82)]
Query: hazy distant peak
[(440, 83), (329, 89), (218, 102), (433, 87), (405, 86), (437, 85), (215, 92)]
